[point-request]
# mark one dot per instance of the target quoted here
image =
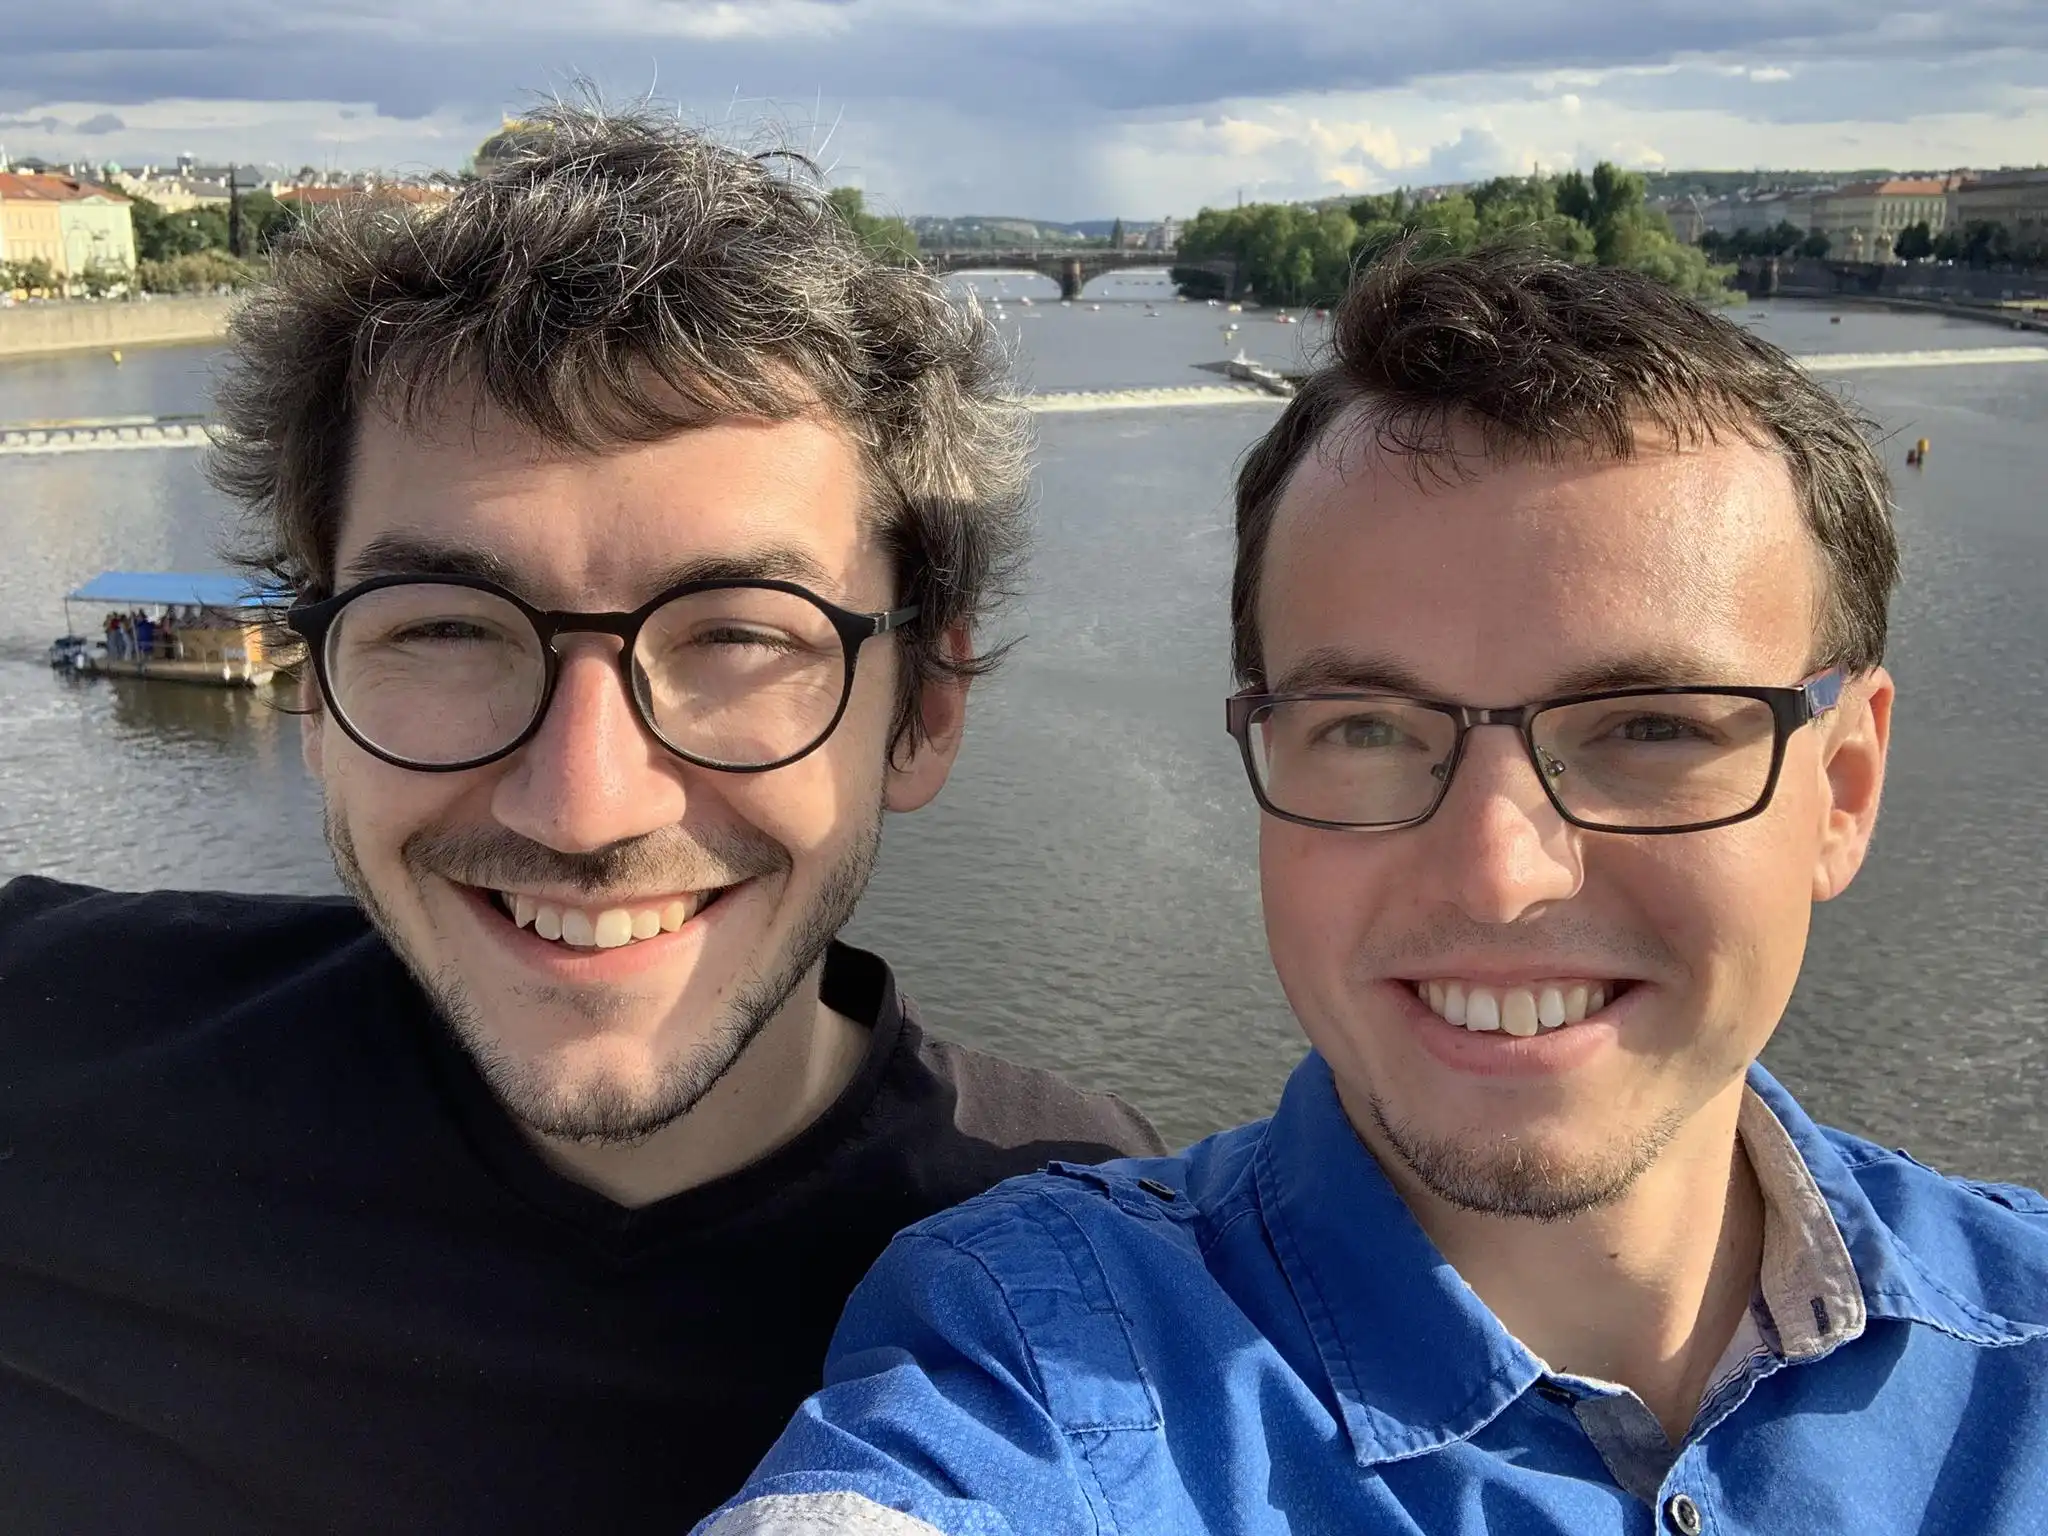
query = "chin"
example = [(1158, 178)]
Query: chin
[(1537, 1171)]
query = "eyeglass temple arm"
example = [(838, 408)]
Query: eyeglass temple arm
[(895, 618), (1823, 693)]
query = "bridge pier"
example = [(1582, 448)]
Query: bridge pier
[(1072, 278)]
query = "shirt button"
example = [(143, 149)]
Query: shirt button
[(1684, 1515)]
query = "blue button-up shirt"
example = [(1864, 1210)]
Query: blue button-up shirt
[(1256, 1336)]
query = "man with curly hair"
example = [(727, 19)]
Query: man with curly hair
[(639, 527)]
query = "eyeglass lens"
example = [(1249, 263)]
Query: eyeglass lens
[(440, 675), (1644, 762)]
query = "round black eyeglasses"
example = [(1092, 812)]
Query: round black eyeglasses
[(441, 673), (1640, 760)]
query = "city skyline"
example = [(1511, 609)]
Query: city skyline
[(1057, 112)]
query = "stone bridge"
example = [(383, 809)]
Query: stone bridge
[(1072, 270)]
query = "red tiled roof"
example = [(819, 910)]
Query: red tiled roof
[(32, 186)]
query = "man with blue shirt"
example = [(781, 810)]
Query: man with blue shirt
[(1560, 609)]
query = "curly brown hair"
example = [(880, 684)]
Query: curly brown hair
[(621, 277), (1545, 359)]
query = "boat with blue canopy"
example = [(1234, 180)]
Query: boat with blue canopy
[(171, 626)]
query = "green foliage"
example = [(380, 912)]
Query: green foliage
[(195, 272), (1299, 255), (1914, 243), (162, 236), (1815, 245), (1981, 244), (1289, 253), (1783, 240), (35, 277), (891, 239), (1116, 235)]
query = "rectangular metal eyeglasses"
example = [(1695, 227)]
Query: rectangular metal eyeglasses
[(440, 673), (1644, 760)]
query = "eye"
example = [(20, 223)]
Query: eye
[(1361, 733), (744, 636), (430, 631), (1653, 729)]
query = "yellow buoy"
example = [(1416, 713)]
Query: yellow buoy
[(115, 355)]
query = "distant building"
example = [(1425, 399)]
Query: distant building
[(2016, 199), (1862, 220), (1687, 218), (1163, 236), (77, 226), (173, 194), (31, 228), (308, 198)]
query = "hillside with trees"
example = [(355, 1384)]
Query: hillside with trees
[(1300, 254)]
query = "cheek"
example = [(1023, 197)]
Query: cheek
[(1317, 892), (381, 805)]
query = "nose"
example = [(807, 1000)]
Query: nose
[(592, 775), (1498, 850)]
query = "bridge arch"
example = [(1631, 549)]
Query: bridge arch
[(1072, 270)]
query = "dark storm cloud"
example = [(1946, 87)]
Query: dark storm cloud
[(995, 57)]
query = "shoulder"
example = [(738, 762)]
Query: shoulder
[(1985, 1240), (74, 953), (1035, 1111), (1122, 1224)]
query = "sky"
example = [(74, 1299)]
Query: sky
[(1060, 109)]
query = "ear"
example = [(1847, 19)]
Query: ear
[(1854, 751), (918, 770)]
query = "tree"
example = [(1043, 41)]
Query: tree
[(1116, 235), (33, 276), (891, 239), (1914, 243), (1815, 245), (1295, 254)]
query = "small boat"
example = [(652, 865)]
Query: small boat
[(201, 627)]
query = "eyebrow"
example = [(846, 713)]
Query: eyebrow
[(1329, 669), (405, 554)]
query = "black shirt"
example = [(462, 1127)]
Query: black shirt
[(272, 1256)]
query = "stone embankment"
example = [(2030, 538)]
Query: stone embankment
[(108, 325)]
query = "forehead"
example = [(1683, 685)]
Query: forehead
[(1493, 586), (566, 529)]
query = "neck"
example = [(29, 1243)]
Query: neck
[(789, 1075), (1646, 1291)]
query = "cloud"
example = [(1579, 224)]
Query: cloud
[(1078, 110)]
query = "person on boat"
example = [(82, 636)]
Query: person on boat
[(111, 629), (1560, 613), (145, 636), (644, 529)]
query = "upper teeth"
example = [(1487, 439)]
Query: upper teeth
[(1515, 1010), (607, 929)]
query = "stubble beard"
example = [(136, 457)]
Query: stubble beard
[(601, 1109), (1502, 1176)]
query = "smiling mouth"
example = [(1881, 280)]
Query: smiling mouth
[(613, 927), (1521, 1011)]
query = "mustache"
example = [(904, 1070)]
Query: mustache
[(667, 859), (1630, 951)]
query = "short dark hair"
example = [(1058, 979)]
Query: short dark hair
[(618, 278), (1548, 359)]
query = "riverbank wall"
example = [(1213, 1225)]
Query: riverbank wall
[(34, 330)]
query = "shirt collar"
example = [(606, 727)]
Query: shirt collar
[(1416, 1361), (1807, 1281), (1898, 1283)]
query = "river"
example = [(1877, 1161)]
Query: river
[(1084, 894)]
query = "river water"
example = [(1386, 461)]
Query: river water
[(1084, 894)]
